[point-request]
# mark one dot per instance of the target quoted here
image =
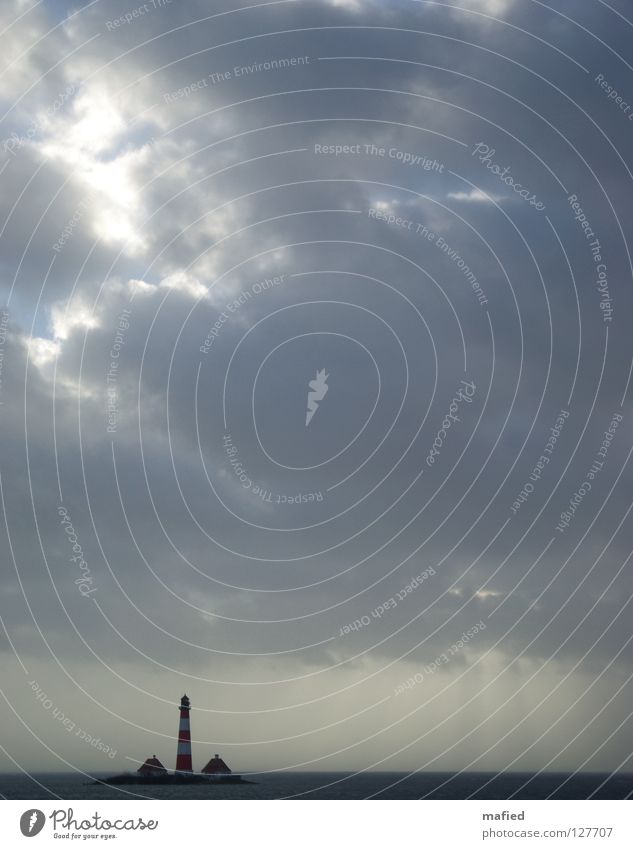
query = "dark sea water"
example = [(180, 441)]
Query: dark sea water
[(336, 785)]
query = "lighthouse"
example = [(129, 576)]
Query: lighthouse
[(183, 757)]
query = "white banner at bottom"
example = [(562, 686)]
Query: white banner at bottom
[(313, 824)]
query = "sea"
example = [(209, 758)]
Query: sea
[(334, 785)]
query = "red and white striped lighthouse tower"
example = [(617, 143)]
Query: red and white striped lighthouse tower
[(183, 757)]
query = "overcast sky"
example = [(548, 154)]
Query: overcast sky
[(203, 207)]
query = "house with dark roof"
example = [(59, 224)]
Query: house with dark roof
[(152, 768), (216, 769)]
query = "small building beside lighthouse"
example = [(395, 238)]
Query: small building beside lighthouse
[(216, 769), (152, 768)]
